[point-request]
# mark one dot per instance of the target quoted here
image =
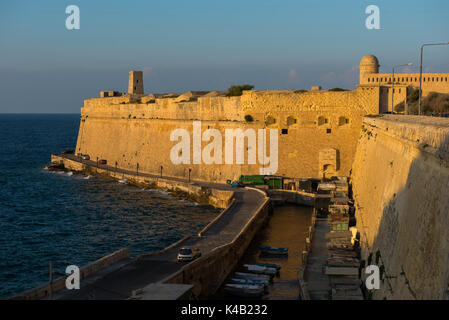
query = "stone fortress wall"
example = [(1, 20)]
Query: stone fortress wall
[(400, 181), (317, 131)]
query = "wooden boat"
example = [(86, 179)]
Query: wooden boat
[(270, 265), (254, 268), (244, 290), (246, 275), (273, 250)]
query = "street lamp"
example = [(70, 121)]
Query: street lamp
[(420, 69), (392, 84)]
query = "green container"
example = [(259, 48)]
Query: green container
[(340, 227), (275, 183), (254, 180)]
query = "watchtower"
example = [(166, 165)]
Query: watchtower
[(368, 65), (135, 85)]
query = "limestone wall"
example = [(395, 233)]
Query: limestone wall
[(119, 130), (400, 181)]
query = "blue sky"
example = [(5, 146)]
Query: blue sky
[(203, 45)]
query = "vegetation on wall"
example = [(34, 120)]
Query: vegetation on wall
[(433, 103), (249, 118), (337, 89), (238, 90)]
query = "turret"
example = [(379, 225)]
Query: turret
[(368, 65), (135, 85)]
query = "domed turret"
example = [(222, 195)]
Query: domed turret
[(368, 64)]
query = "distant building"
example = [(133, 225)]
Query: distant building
[(404, 83)]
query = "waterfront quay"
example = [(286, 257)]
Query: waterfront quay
[(222, 243)]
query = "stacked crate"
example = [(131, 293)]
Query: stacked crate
[(339, 217), (343, 263)]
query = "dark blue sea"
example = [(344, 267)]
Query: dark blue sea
[(73, 219)]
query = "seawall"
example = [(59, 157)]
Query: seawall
[(206, 195), (86, 271), (400, 179)]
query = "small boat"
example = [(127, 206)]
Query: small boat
[(247, 275), (273, 250), (261, 270), (245, 290), (249, 281), (270, 265)]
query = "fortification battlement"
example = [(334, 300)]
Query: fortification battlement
[(429, 134), (373, 95), (271, 107)]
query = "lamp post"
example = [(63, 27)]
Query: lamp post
[(392, 84), (420, 69)]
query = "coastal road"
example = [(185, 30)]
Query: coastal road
[(118, 282)]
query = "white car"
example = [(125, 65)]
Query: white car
[(188, 253)]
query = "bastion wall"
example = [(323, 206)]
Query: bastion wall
[(310, 126), (400, 182)]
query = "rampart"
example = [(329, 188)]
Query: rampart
[(317, 131), (400, 181)]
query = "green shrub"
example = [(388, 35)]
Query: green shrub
[(414, 96), (400, 107), (337, 89), (237, 90), (300, 91), (432, 96), (249, 118)]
